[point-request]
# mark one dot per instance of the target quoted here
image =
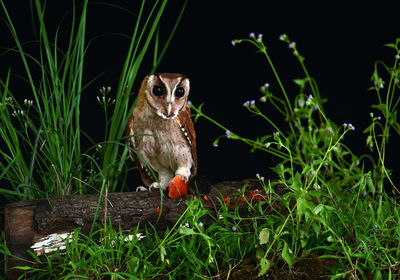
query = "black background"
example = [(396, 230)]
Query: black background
[(339, 39)]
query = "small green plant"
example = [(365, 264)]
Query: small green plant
[(335, 207)]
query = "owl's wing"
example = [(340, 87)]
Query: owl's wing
[(143, 170), (187, 129)]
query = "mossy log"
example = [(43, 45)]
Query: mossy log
[(28, 223)]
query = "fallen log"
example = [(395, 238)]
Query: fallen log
[(32, 223)]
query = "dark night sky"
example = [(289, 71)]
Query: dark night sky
[(339, 39)]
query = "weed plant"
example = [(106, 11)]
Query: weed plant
[(334, 206)]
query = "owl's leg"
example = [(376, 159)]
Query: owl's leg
[(165, 177), (183, 172)]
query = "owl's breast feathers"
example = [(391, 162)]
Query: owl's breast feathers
[(185, 127)]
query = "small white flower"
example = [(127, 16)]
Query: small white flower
[(397, 56), (233, 43), (292, 45), (259, 38), (264, 87), (252, 35), (283, 37)]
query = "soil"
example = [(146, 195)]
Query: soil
[(309, 268)]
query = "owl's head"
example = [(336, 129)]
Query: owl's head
[(166, 93)]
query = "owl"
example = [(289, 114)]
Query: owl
[(161, 136)]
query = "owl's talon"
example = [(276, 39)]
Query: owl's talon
[(156, 186), (141, 189)]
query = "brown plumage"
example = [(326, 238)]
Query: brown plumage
[(162, 136)]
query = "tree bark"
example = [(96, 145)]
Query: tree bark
[(31, 221)]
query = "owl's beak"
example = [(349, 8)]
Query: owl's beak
[(169, 109)]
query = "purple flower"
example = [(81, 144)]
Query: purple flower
[(397, 56), (266, 145), (252, 103), (351, 127), (189, 102), (313, 172), (201, 224), (228, 134), (233, 228), (233, 43), (252, 35), (245, 104), (364, 194), (345, 124)]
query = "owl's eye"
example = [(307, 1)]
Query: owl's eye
[(158, 90), (179, 92)]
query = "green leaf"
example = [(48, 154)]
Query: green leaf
[(318, 209), (378, 275), (370, 184), (259, 254), (330, 238), (391, 45), (264, 235), (301, 206), (300, 82), (186, 230), (265, 265), (163, 253), (287, 255), (22, 267), (339, 275)]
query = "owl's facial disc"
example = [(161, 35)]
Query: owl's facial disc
[(167, 94)]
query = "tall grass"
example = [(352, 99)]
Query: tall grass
[(42, 151)]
